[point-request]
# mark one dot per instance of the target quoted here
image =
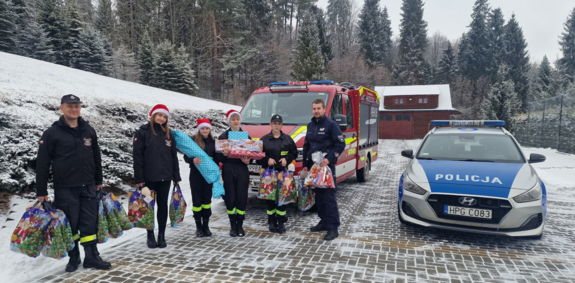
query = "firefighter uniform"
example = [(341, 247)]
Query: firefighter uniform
[(324, 135)]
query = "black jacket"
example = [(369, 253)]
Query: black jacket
[(325, 136), (210, 149), (74, 154), (220, 156), (155, 156), (282, 147)]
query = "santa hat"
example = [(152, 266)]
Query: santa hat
[(232, 112), (203, 122), (160, 108)]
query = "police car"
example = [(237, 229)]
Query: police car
[(472, 176)]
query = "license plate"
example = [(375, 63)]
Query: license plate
[(254, 168), (467, 211)]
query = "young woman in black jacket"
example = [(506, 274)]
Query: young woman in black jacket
[(280, 150), (236, 179), (156, 166), (201, 190)]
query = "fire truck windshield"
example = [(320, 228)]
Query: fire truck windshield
[(294, 107)]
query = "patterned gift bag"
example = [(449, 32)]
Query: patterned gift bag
[(116, 213), (141, 208), (268, 185), (238, 135), (287, 191), (102, 233), (59, 239), (114, 223), (177, 206), (306, 197), (29, 237), (319, 177)]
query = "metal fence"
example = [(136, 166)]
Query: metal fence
[(550, 123)]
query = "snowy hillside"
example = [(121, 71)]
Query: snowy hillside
[(30, 92)]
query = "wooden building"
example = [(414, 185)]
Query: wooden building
[(405, 111)]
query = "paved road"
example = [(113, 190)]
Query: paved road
[(373, 246)]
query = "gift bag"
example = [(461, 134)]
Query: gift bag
[(268, 185), (102, 233), (306, 197), (238, 135), (141, 208), (177, 206), (59, 239), (29, 237), (287, 192), (319, 177), (116, 214)]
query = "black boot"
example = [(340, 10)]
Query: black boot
[(206, 221), (241, 231), (74, 261), (331, 234), (90, 260), (281, 224), (97, 253), (161, 240), (152, 240), (233, 225), (199, 228), (319, 227), (273, 223)]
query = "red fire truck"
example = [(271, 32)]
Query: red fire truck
[(355, 110)]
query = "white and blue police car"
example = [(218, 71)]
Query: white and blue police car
[(472, 176)]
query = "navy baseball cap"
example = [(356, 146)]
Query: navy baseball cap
[(277, 118), (70, 98)]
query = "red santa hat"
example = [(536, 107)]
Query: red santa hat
[(232, 112), (160, 108), (203, 122)]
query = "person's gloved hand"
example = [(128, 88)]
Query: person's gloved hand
[(303, 173)]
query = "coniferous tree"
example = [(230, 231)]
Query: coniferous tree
[(447, 67), (165, 70), (185, 74), (340, 25), (105, 20), (567, 43), (542, 83), (31, 39), (517, 59), (386, 33), (308, 61), (52, 18), (324, 41), (125, 64), (501, 102), (146, 60), (475, 61), (76, 43), (412, 68), (496, 35), (7, 26), (371, 39)]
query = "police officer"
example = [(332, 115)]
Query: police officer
[(323, 135), (70, 147), (280, 151)]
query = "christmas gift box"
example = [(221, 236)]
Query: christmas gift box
[(247, 145), (319, 177), (29, 237), (287, 192), (177, 207), (306, 197), (238, 154), (268, 185), (141, 208), (238, 135)]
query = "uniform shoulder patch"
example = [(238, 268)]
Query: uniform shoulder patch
[(340, 137)]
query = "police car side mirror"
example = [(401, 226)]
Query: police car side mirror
[(407, 153), (341, 120), (536, 158)]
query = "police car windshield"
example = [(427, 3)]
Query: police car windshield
[(294, 107), (470, 147)]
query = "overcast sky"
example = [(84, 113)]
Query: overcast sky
[(541, 20)]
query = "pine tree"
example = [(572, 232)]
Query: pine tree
[(77, 40), (186, 82), (501, 102), (7, 26), (52, 18), (105, 21), (496, 35), (371, 39), (308, 61), (476, 57), (542, 83), (165, 70), (31, 39), (386, 33), (447, 67), (412, 68), (125, 64), (517, 59), (324, 41), (567, 43), (146, 60), (340, 25)]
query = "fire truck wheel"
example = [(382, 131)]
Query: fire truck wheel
[(363, 173)]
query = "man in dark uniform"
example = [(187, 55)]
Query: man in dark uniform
[(323, 135), (70, 147)]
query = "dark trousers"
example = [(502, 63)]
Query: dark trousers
[(326, 202), (80, 204), (201, 197), (162, 191), (273, 209), (236, 183)]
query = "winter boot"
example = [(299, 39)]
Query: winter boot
[(97, 253), (74, 261), (162, 240), (206, 221), (331, 234), (240, 223), (273, 223), (281, 224), (319, 227), (152, 240), (199, 228), (90, 260), (233, 225)]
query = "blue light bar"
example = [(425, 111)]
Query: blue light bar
[(280, 83), (303, 83), (467, 123), (321, 82)]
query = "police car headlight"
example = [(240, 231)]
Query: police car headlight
[(533, 194), (410, 186)]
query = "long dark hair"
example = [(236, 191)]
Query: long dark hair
[(164, 127), (198, 138)]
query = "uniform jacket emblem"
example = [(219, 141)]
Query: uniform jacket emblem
[(168, 143), (87, 141)]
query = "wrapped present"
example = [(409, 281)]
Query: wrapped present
[(247, 145), (268, 185), (287, 192), (102, 233), (59, 239), (306, 197), (177, 206), (141, 208), (232, 135), (218, 190), (319, 177), (238, 154), (29, 237)]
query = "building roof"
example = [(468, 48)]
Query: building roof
[(443, 92)]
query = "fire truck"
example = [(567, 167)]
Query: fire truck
[(354, 109)]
